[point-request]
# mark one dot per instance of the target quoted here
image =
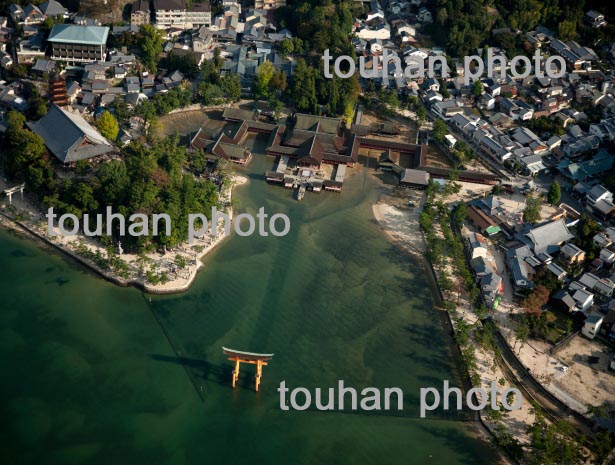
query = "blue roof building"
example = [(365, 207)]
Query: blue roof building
[(580, 171), (78, 44)]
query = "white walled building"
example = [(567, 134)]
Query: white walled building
[(174, 13), (269, 4)]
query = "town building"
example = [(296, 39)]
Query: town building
[(69, 137), (483, 222), (557, 271), (563, 301), (28, 15), (198, 15), (414, 179), (571, 254), (140, 13), (478, 246), (584, 299), (548, 237), (53, 9), (521, 271), (174, 13), (269, 4), (595, 19), (78, 44), (592, 325)]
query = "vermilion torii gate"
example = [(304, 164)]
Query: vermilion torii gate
[(240, 357)]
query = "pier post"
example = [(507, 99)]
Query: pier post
[(236, 372), (259, 373)]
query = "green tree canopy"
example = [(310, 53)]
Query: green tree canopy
[(421, 113), (439, 130), (555, 193), (286, 47), (531, 213), (303, 90), (108, 126), (231, 86), (23, 159), (553, 443), (477, 88), (149, 41), (460, 213), (264, 74)]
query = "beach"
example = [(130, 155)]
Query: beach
[(397, 213), (401, 226)]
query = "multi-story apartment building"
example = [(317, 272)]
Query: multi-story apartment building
[(169, 12), (78, 44), (140, 13), (269, 4), (174, 13), (199, 15)]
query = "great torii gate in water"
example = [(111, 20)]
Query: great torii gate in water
[(252, 358)]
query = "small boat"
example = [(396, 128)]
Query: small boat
[(301, 192)]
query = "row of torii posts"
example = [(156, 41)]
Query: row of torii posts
[(9, 192)]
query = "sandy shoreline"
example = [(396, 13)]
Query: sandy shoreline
[(400, 224), (180, 278), (401, 228)]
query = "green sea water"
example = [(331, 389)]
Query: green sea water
[(97, 374)]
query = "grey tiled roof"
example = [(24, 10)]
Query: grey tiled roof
[(418, 177), (53, 8), (548, 237), (69, 137)]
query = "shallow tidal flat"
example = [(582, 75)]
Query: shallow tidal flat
[(94, 373)]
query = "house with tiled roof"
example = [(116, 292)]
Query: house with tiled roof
[(53, 9), (69, 137), (581, 171), (30, 14), (521, 271), (549, 237)]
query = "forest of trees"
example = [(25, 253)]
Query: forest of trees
[(463, 26), (145, 180), (154, 179), (317, 26), (321, 24)]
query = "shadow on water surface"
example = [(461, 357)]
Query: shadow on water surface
[(397, 257), (464, 445), (256, 176), (19, 253), (201, 369)]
